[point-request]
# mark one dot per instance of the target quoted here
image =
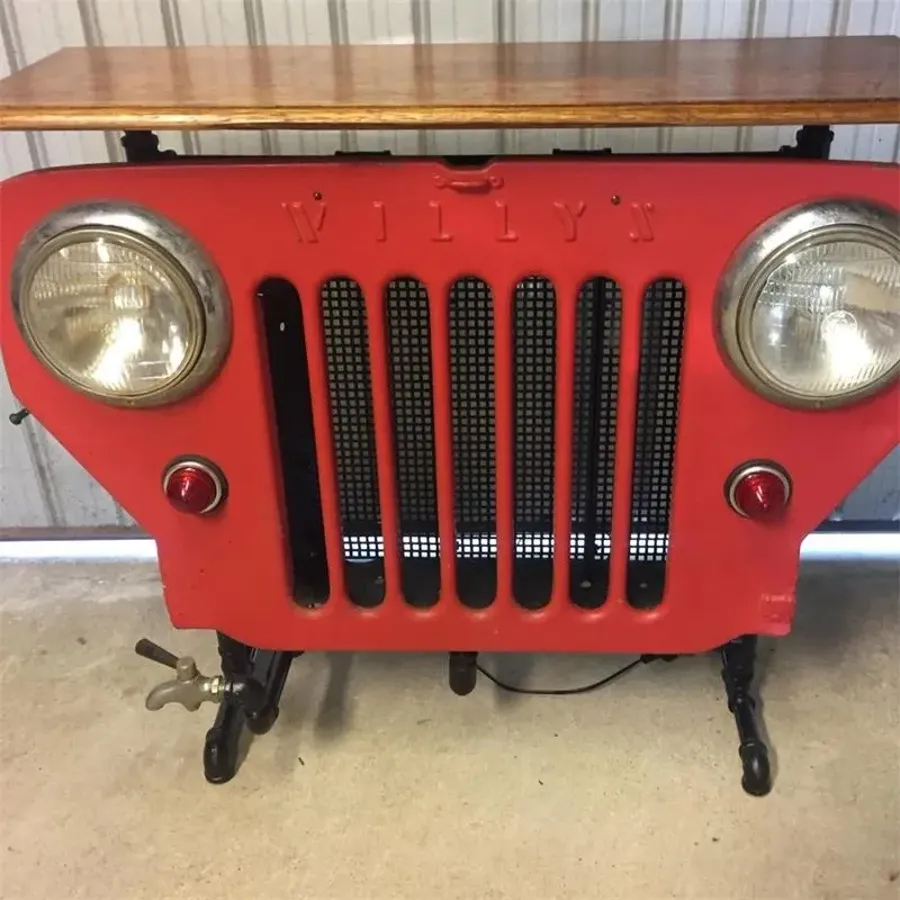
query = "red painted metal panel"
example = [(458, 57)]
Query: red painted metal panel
[(375, 220)]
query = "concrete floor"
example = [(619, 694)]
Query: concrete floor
[(379, 784)]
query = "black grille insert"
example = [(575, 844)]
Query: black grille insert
[(471, 339), (412, 408), (289, 378), (598, 327), (534, 393), (656, 420), (346, 336)]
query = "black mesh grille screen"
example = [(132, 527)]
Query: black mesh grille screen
[(409, 351), (352, 426), (594, 406), (534, 381), (471, 339), (656, 418), (471, 355)]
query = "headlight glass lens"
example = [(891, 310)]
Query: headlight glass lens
[(112, 314), (826, 319)]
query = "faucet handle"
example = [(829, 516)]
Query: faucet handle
[(155, 653), (190, 688)]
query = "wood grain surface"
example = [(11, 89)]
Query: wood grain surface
[(783, 80)]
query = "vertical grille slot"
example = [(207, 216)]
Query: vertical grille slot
[(656, 419), (346, 337), (289, 379), (412, 411), (534, 381), (598, 327), (471, 339)]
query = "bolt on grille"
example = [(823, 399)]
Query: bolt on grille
[(594, 406), (469, 342), (412, 409), (534, 394), (471, 321), (346, 337), (662, 336)]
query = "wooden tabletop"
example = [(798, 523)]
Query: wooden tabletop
[(785, 80)]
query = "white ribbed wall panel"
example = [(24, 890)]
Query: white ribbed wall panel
[(39, 482)]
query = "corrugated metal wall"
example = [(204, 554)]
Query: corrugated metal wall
[(40, 485)]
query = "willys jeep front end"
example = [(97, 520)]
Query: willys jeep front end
[(573, 403)]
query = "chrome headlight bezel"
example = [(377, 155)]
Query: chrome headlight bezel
[(762, 252), (164, 242)]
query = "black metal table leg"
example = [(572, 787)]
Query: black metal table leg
[(738, 659), (242, 664), (220, 749), (272, 670)]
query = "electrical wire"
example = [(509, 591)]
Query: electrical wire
[(567, 692)]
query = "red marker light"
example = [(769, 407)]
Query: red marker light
[(759, 491), (192, 486)]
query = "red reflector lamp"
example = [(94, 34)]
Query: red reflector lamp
[(194, 486), (759, 490)]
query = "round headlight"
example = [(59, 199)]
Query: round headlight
[(121, 304), (809, 308)]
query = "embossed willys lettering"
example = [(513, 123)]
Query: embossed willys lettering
[(308, 221)]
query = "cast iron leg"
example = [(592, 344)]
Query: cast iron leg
[(221, 748), (270, 669), (738, 659)]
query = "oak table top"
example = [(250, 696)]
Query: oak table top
[(710, 82)]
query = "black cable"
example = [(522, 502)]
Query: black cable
[(564, 692)]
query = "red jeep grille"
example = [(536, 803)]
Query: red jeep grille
[(475, 410), (467, 316)]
